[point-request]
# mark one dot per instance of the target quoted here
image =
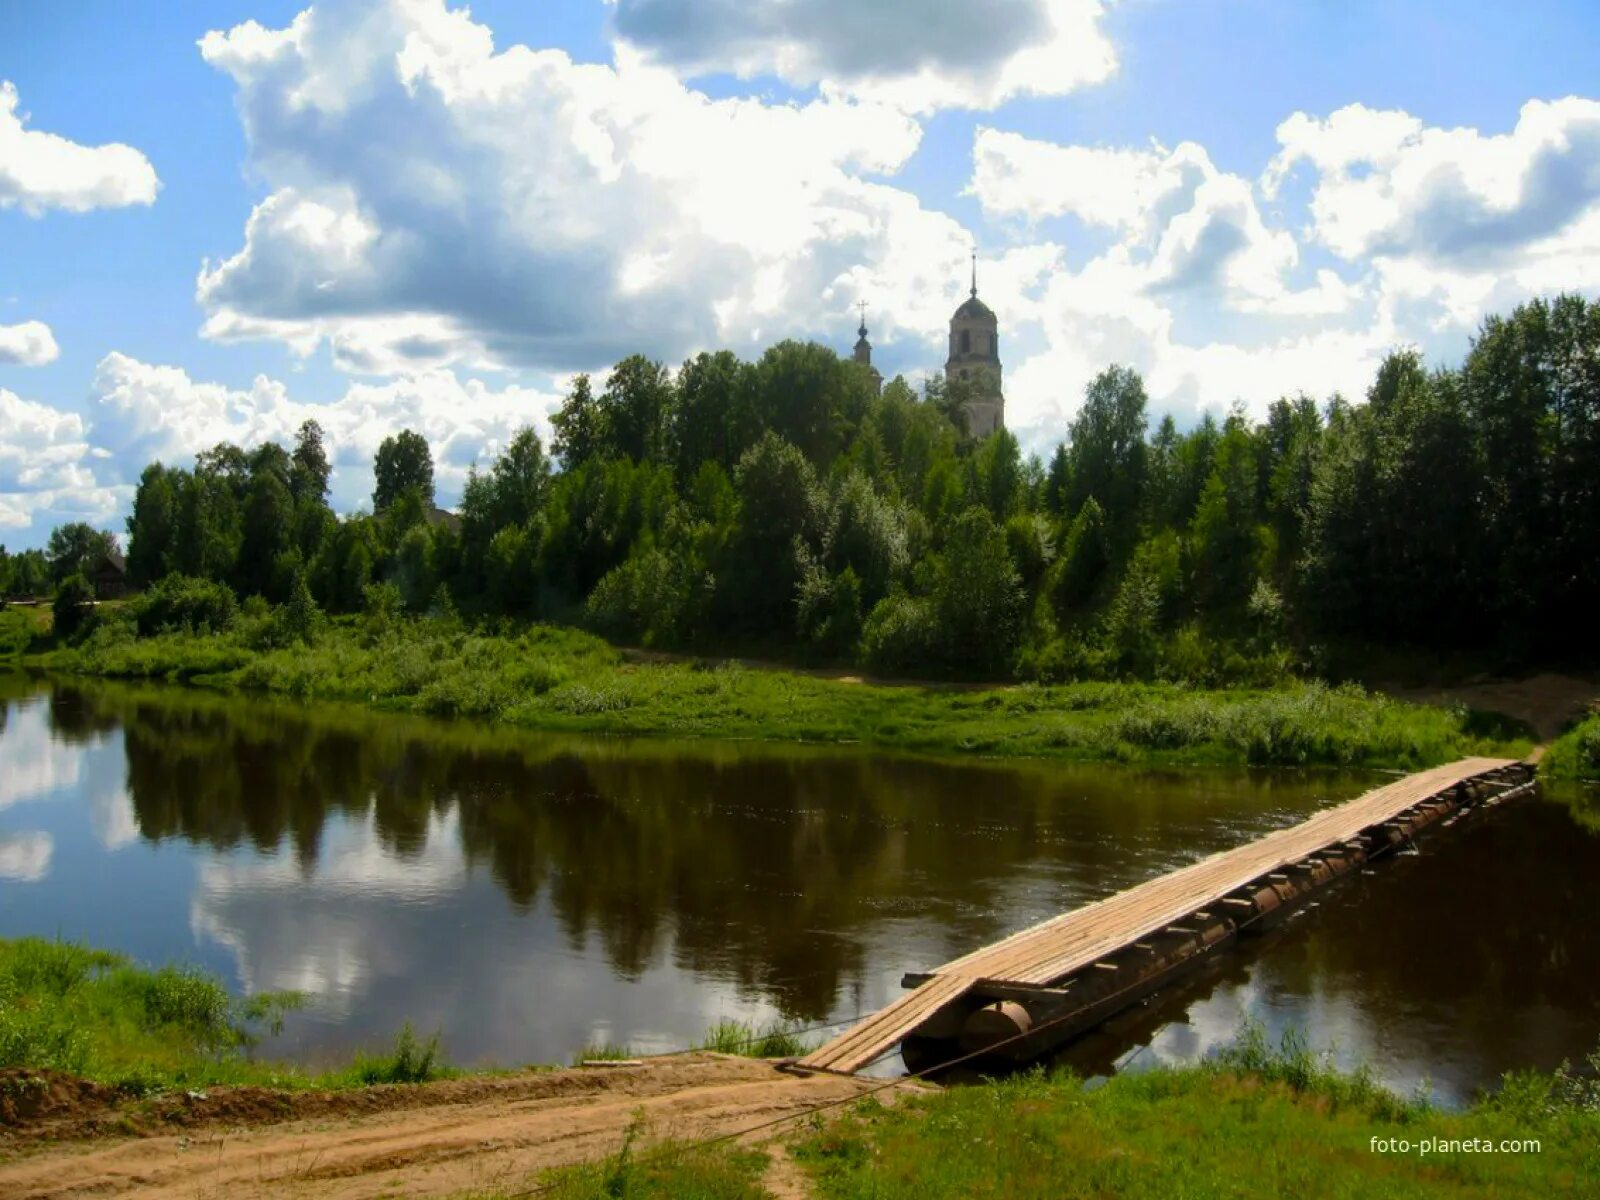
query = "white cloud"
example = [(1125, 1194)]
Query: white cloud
[(1180, 224), (1127, 190), (45, 467), (141, 412), (1389, 185), (57, 466), (25, 857), (29, 344), (40, 171), (920, 57), (434, 202), (42, 448)]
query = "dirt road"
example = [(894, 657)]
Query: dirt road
[(433, 1140)]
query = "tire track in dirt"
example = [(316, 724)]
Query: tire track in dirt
[(451, 1138)]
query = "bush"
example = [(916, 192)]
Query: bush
[(1576, 753), (900, 633), (181, 603), (651, 597), (73, 609)]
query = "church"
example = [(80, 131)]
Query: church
[(974, 357)]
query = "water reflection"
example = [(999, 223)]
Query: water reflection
[(527, 894)]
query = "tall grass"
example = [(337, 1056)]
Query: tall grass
[(776, 1040), (411, 1059), (88, 1012)]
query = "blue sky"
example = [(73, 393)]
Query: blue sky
[(218, 220)]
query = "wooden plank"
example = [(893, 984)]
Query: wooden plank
[(884, 1029), (1053, 949)]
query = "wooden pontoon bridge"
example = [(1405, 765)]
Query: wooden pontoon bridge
[(1020, 996)]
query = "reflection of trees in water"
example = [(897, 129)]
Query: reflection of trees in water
[(760, 865), (77, 721)]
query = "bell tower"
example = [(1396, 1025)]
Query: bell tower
[(863, 354), (975, 359)]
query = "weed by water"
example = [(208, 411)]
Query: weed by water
[(411, 1059), (776, 1040), (603, 1052)]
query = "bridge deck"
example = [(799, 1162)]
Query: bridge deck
[(1057, 947)]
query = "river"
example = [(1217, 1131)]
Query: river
[(527, 895)]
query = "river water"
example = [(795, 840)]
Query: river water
[(527, 895)]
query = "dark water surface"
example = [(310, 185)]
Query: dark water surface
[(526, 895)]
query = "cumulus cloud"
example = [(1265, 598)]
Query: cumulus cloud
[(25, 857), (46, 466), (43, 447), (142, 412), (40, 171), (1389, 185), (30, 344), (1180, 224), (57, 466), (925, 56), (436, 202)]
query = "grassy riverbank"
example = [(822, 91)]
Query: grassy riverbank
[(97, 1015), (1576, 753), (555, 678), (1256, 1122)]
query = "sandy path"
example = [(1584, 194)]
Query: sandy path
[(495, 1136)]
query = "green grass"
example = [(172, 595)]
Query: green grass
[(1249, 1125), (1256, 1121), (776, 1040), (603, 1052), (555, 678), (95, 1014), (1575, 754), (669, 1171)]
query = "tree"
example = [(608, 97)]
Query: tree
[(807, 396), (308, 479), (153, 525), (1057, 481), (579, 432), (73, 608), (636, 410), (715, 418), (518, 480), (403, 464), (977, 595), (997, 466), (869, 538), (1107, 450), (779, 503), (266, 538), (77, 548), (1222, 538)]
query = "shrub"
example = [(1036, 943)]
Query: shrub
[(73, 609), (184, 603), (900, 632)]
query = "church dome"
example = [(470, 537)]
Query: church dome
[(972, 307)]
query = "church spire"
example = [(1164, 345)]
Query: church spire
[(862, 305), (974, 274)]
